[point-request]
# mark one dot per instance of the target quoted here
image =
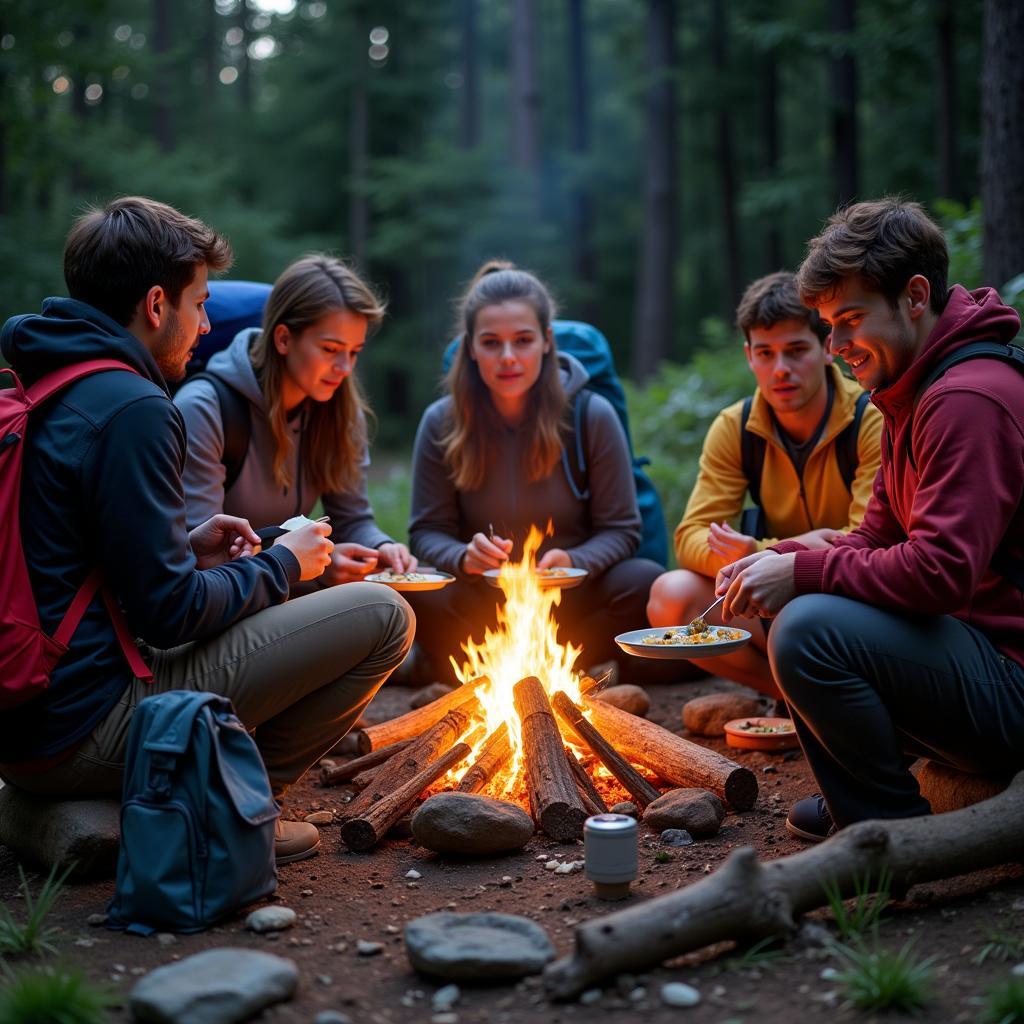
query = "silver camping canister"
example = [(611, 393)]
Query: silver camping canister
[(610, 851)]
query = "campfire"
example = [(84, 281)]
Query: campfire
[(523, 726)]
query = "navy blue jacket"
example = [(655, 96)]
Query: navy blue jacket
[(101, 486)]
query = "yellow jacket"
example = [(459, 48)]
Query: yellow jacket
[(721, 486)]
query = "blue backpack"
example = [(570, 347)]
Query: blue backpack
[(197, 817), (587, 344)]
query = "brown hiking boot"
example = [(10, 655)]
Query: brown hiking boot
[(294, 840)]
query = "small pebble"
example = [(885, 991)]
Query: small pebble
[(591, 996), (676, 837), (552, 865), (364, 948), (96, 920), (331, 1017), (305, 892), (675, 993), (324, 979), (166, 938), (270, 919), (444, 1018), (319, 818), (445, 998), (828, 973), (1018, 970), (413, 874), (570, 867)]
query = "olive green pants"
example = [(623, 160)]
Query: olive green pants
[(299, 676)]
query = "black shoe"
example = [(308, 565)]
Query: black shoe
[(809, 819)]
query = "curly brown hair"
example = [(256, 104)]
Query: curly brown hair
[(774, 298)]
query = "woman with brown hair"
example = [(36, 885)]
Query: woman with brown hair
[(488, 464), (307, 418)]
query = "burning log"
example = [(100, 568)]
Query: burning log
[(415, 723), (746, 900), (635, 784), (367, 830), (592, 800), (410, 761), (554, 798), (496, 752), (679, 762), (344, 772)]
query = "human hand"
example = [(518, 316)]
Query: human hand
[(484, 552), (398, 557), (555, 558), (761, 587), (729, 572), (817, 538), (310, 545), (728, 543), (349, 564), (222, 539)]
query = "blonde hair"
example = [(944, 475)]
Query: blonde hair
[(469, 441), (336, 430)]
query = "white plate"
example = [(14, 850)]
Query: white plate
[(564, 578), (433, 580), (633, 643)]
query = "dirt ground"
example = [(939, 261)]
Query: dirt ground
[(342, 897)]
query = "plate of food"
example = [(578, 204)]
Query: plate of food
[(427, 579), (672, 642), (761, 734), (558, 576)]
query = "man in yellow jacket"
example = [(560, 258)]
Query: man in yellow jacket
[(810, 435)]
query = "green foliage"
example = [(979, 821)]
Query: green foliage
[(662, 857), (1000, 946), (390, 494), (876, 979), (31, 937), (763, 954), (52, 995), (1004, 1003), (962, 227), (862, 913)]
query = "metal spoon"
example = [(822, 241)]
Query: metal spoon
[(698, 625)]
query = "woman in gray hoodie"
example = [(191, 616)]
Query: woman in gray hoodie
[(307, 438), (488, 464)]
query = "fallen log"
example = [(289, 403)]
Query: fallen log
[(415, 723), (747, 900), (558, 809), (345, 772), (367, 830), (592, 800), (408, 762), (679, 762), (495, 753), (633, 782)]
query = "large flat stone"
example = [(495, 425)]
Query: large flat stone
[(948, 789), (59, 832), (471, 825)]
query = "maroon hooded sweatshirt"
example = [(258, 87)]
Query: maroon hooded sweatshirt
[(929, 534)]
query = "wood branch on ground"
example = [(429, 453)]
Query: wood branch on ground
[(633, 782), (679, 762), (367, 830), (408, 762), (416, 722), (592, 800), (497, 749), (747, 900), (345, 772), (555, 800)]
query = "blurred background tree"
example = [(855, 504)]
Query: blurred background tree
[(647, 159)]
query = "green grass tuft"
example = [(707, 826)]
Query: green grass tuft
[(1004, 1003), (1000, 946), (52, 995), (31, 937), (876, 979), (866, 906), (762, 954)]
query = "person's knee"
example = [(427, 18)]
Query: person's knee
[(799, 635), (673, 595)]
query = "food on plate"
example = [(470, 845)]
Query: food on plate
[(389, 576), (682, 636), (759, 726), (553, 573)]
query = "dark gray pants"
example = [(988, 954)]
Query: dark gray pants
[(868, 687)]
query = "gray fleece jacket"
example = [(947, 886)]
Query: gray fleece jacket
[(255, 495), (596, 534)]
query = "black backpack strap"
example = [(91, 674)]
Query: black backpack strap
[(237, 422), (574, 451), (753, 448), (847, 455)]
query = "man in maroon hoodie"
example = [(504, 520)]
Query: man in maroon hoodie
[(906, 637)]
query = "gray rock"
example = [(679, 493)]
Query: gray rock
[(626, 807), (319, 818), (367, 948), (331, 1017), (706, 716), (675, 993), (220, 986), (271, 919), (695, 810), (50, 832), (465, 823), (445, 998), (421, 698), (676, 837), (478, 947), (627, 698)]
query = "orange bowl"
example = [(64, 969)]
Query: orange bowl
[(749, 734)]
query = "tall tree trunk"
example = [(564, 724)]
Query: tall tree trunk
[(358, 138), (525, 88), (843, 19), (79, 107), (1002, 147), (653, 318), (162, 103), (726, 159), (770, 127), (469, 121), (948, 178), (579, 141)]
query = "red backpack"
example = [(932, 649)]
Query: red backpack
[(27, 654)]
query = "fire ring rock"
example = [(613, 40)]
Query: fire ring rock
[(464, 823), (706, 716), (696, 810), (627, 698), (477, 947)]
